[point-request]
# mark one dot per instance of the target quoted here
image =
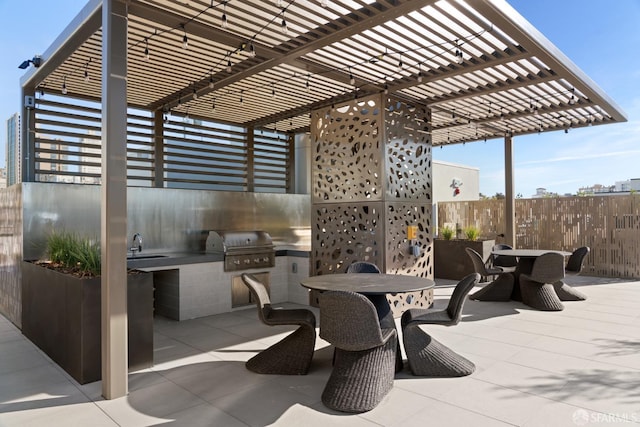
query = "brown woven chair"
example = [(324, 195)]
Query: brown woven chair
[(292, 355), (426, 356), (573, 268), (365, 354), (504, 262), (537, 287), (499, 289), (363, 267)]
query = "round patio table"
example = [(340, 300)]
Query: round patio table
[(374, 286)]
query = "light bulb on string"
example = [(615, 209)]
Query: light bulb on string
[(279, 3), (86, 70), (185, 39), (273, 91), (224, 24), (211, 83), (324, 3), (572, 100), (213, 105), (195, 92), (146, 49), (229, 62), (419, 73), (241, 97), (352, 80), (399, 63), (307, 83), (252, 50), (386, 89), (64, 85), (283, 24)]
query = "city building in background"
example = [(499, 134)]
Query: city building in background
[(14, 151)]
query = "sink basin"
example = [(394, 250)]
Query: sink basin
[(131, 258)]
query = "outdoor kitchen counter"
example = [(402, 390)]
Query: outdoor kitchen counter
[(164, 259)]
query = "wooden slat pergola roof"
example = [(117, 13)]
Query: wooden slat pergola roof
[(482, 68)]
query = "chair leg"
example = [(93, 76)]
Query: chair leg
[(541, 296), (361, 379), (290, 356), (498, 290), (428, 357), (567, 293)]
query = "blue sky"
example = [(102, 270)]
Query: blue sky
[(602, 38)]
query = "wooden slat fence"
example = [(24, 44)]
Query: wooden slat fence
[(609, 225)]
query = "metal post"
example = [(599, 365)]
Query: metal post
[(509, 202), (114, 199), (158, 149)]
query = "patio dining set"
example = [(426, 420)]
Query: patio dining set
[(357, 321)]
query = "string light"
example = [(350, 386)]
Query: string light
[(225, 23), (252, 50), (241, 97), (352, 80), (195, 92), (213, 106), (400, 63), (229, 62), (273, 90), (211, 83), (307, 84), (185, 39), (146, 49), (86, 70), (572, 100), (459, 57), (419, 73), (64, 85), (283, 25)]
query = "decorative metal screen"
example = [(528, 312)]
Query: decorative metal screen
[(371, 176)]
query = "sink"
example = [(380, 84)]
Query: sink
[(132, 258)]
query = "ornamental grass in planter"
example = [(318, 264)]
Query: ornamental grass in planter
[(451, 261), (61, 305)]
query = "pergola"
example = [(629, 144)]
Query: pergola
[(480, 67)]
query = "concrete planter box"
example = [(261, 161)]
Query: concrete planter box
[(61, 315), (451, 260)]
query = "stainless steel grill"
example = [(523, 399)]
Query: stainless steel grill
[(242, 249)]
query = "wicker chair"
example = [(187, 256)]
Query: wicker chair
[(504, 262), (572, 268), (499, 289), (537, 287), (363, 267), (365, 354), (292, 355), (428, 357)]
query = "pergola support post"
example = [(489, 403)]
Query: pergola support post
[(114, 200), (509, 202)]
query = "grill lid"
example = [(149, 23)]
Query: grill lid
[(234, 242)]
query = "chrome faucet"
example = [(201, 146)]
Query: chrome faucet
[(137, 243)]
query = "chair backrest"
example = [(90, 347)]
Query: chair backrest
[(503, 260), (260, 294), (478, 263), (349, 321), (548, 268), (363, 267), (574, 264), (459, 296)]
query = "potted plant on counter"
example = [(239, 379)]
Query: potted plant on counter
[(61, 305), (450, 258)]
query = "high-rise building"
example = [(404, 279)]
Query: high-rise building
[(14, 150)]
